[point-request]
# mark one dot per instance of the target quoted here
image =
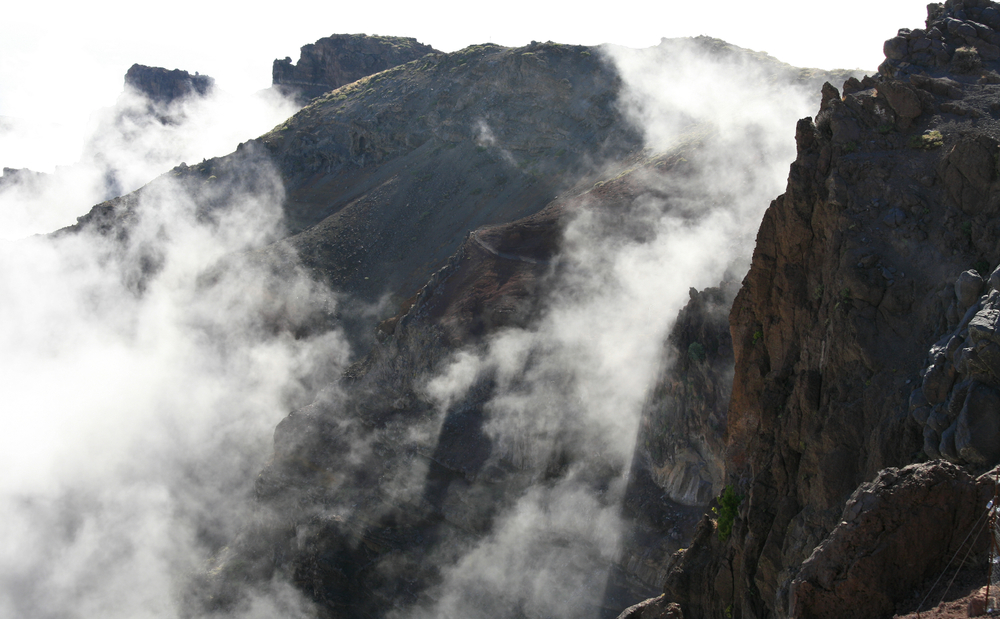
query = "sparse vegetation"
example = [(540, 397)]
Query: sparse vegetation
[(927, 140), (729, 505)]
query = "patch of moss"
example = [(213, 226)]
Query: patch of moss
[(927, 140)]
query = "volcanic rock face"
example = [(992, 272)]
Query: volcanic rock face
[(337, 60), (441, 176), (684, 424), (860, 265), (164, 86), (847, 575)]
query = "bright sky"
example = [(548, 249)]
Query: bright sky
[(59, 61)]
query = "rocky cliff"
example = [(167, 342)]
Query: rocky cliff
[(445, 185), (165, 86), (862, 336), (340, 59)]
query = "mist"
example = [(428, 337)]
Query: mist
[(120, 148), (571, 387), (143, 378)]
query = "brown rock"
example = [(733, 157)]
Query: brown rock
[(942, 86), (653, 608), (902, 99), (977, 603), (977, 432), (968, 287), (898, 523), (895, 48), (968, 170)]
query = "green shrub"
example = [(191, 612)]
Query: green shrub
[(729, 505), (927, 140)]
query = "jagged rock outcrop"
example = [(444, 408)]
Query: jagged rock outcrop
[(164, 86), (340, 59), (441, 176), (682, 439), (912, 519), (891, 199)]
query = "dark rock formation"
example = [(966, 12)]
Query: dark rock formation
[(960, 36), (443, 184), (164, 86), (682, 439), (340, 59), (912, 519), (653, 608), (859, 266)]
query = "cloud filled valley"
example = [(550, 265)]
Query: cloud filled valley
[(452, 340)]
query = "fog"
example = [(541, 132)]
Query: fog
[(118, 150), (144, 375), (572, 386)]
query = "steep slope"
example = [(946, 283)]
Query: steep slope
[(446, 184), (855, 274), (340, 59)]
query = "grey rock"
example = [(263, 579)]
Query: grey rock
[(931, 441), (983, 325), (895, 48), (995, 279), (991, 17), (938, 380), (968, 287), (977, 431), (921, 415), (917, 399), (902, 98), (894, 218), (938, 420), (947, 445)]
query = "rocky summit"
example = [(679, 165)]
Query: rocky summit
[(861, 337), (337, 60), (165, 86), (820, 438)]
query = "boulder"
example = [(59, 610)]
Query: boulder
[(968, 170), (896, 520), (902, 99), (977, 432), (938, 379), (895, 48), (968, 287), (653, 608), (995, 279)]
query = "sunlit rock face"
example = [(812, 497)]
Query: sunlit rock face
[(864, 330)]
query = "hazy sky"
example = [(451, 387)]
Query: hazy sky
[(55, 57)]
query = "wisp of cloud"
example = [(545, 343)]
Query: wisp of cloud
[(570, 388)]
